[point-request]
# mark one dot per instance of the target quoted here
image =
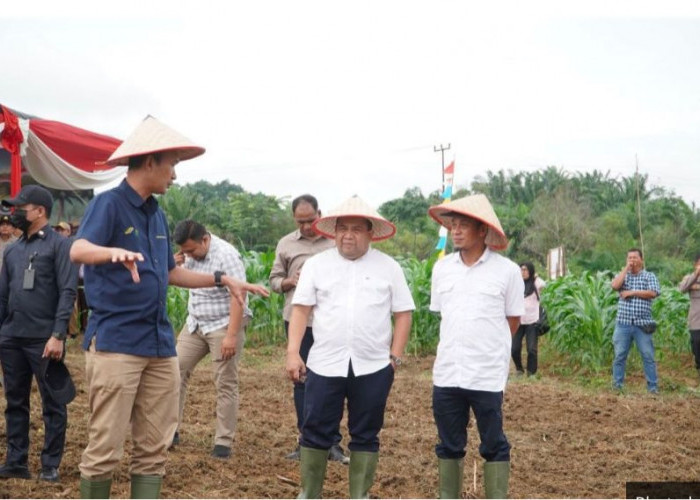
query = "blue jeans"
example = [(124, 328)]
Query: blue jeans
[(622, 341)]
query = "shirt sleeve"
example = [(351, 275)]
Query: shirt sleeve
[(401, 298), (67, 284), (97, 225), (540, 284), (435, 305), (688, 281), (515, 293), (278, 271), (654, 284), (232, 265), (305, 293)]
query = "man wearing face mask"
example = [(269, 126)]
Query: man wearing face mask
[(215, 324), (37, 289)]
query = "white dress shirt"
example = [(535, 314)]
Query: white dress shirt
[(352, 304), (474, 301)]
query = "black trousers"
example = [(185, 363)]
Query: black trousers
[(695, 346), (323, 409), (451, 412), (306, 342), (530, 334), (21, 359)]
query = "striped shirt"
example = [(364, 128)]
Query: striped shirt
[(636, 310), (208, 308)]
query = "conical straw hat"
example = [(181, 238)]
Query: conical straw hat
[(478, 207), (151, 136), (355, 207)]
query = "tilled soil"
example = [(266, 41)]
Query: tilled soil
[(567, 442)]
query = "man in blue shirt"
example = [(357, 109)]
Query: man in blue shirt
[(131, 364), (637, 287), (37, 290)]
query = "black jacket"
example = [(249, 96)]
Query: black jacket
[(45, 309)]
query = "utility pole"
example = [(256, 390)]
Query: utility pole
[(442, 150)]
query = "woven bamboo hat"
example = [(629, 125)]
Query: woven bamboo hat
[(382, 229), (152, 136), (478, 207)]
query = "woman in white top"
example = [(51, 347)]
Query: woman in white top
[(527, 328)]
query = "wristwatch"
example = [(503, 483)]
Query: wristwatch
[(59, 336), (397, 361), (217, 278)]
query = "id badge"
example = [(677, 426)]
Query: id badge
[(28, 283)]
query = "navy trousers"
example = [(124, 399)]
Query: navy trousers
[(21, 359), (451, 411), (323, 408), (306, 342)]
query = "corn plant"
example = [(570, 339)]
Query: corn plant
[(425, 329), (670, 310), (583, 310), (267, 325), (177, 307)]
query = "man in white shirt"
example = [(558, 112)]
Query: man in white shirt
[(215, 324), (479, 295), (353, 291)]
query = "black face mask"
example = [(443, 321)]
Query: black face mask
[(19, 220)]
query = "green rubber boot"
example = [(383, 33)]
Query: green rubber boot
[(363, 465), (313, 471), (95, 489), (496, 479), (143, 486), (451, 472)]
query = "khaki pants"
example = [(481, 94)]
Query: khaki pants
[(191, 349), (126, 390)]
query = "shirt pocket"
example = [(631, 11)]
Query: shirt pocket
[(375, 292), (490, 301), (43, 264)]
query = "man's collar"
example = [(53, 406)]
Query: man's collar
[(363, 256), (134, 198), (41, 233), (298, 236), (483, 258)]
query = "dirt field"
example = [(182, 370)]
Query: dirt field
[(567, 442)]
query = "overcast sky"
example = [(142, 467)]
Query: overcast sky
[(343, 98)]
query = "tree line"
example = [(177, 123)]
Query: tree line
[(593, 215)]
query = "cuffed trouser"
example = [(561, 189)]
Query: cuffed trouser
[(299, 387), (451, 412), (21, 360), (324, 402), (191, 349), (126, 390)]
